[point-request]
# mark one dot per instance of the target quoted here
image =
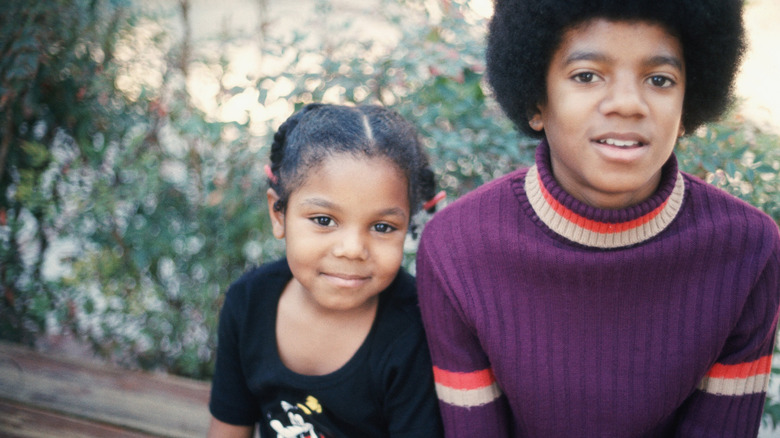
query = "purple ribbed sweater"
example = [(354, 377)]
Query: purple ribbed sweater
[(549, 318)]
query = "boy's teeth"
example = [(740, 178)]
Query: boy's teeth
[(619, 143)]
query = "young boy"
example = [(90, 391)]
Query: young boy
[(602, 292)]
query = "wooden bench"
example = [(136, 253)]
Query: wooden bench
[(44, 395)]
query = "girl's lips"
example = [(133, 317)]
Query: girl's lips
[(345, 280)]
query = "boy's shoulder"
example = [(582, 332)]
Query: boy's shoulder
[(497, 190), (727, 213), (719, 200)]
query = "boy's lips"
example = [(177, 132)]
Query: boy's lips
[(620, 143), (621, 139), (621, 147)]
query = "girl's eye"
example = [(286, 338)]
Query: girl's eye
[(661, 81), (585, 77), (323, 221), (384, 228)]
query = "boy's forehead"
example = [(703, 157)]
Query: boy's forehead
[(595, 38)]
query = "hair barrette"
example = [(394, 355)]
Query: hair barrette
[(435, 200), (270, 174)]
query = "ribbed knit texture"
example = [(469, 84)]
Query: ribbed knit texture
[(535, 331)]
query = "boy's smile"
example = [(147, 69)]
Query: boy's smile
[(613, 112)]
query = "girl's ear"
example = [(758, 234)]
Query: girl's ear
[(277, 217)]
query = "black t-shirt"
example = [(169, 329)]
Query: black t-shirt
[(385, 390)]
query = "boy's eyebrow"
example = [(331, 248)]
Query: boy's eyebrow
[(655, 61), (581, 55), (666, 60)]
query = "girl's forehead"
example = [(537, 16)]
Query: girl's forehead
[(340, 161), (345, 179), (353, 167)]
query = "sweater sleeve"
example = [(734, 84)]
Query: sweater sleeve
[(729, 401), (470, 399)]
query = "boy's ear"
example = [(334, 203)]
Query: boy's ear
[(277, 217), (536, 122)]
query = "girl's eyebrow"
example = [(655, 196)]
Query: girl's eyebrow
[(323, 203), (393, 211), (318, 202), (654, 61)]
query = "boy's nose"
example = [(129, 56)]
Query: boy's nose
[(352, 245), (624, 97)]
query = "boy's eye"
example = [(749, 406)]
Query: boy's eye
[(661, 81), (384, 228), (323, 221), (585, 77)]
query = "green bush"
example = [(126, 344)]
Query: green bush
[(159, 205)]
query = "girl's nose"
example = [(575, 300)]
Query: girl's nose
[(352, 245)]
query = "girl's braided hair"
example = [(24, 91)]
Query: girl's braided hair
[(524, 34), (319, 130)]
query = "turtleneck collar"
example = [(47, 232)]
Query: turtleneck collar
[(590, 226)]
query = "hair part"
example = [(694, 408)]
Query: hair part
[(524, 34), (319, 131)]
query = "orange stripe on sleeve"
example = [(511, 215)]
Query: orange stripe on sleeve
[(739, 379), (742, 370), (455, 380)]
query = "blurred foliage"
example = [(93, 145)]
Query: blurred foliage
[(737, 157), (128, 205)]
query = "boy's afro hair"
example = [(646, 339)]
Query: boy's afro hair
[(523, 34)]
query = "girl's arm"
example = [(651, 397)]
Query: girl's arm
[(231, 400), (218, 429), (410, 403), (470, 399)]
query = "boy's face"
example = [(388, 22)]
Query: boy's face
[(613, 111)]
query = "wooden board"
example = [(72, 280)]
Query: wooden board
[(18, 421), (154, 404)]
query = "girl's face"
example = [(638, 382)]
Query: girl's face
[(344, 228), (613, 111)]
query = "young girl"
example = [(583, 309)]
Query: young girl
[(602, 292), (328, 342)]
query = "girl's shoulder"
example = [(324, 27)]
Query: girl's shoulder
[(261, 281), (398, 306)]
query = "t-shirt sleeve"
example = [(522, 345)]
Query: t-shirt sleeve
[(410, 403), (231, 400), (729, 401), (470, 399)]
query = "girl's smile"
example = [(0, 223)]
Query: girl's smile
[(344, 239), (613, 111)]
